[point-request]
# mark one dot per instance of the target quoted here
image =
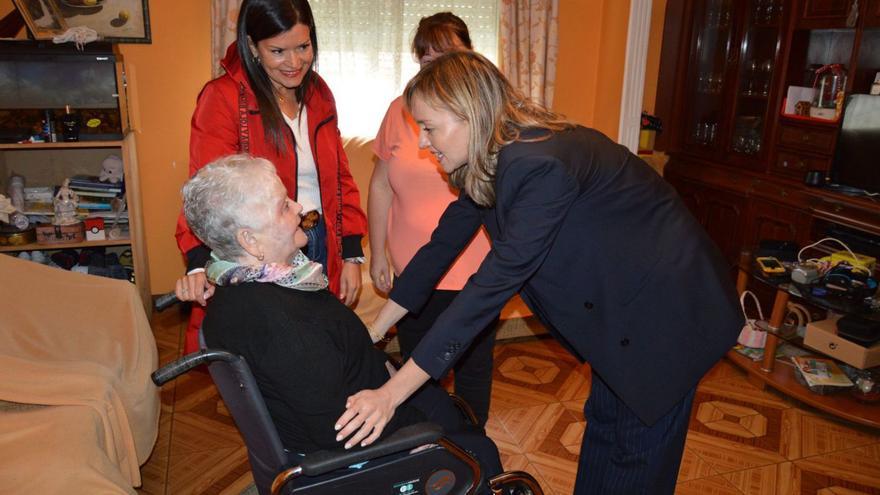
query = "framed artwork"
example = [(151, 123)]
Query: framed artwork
[(43, 18), (116, 21)]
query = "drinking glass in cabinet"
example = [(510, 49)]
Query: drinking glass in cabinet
[(704, 132), (767, 75)]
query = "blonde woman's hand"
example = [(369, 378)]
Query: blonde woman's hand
[(366, 414), (194, 287)]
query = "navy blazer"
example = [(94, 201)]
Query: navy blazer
[(603, 251)]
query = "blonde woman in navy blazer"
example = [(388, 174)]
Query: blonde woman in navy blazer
[(599, 247)]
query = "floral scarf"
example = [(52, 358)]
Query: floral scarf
[(300, 273)]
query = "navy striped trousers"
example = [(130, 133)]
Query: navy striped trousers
[(622, 456)]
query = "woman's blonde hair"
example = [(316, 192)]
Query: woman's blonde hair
[(473, 89)]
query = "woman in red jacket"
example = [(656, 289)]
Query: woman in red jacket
[(272, 104)]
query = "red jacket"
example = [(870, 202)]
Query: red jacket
[(215, 132)]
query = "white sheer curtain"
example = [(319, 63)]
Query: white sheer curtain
[(364, 50)]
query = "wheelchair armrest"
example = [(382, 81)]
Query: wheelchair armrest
[(176, 368), (409, 437)]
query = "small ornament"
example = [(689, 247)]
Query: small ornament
[(111, 170), (65, 205)]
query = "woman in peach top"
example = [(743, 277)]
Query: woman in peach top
[(408, 193)]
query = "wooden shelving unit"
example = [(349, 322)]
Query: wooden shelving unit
[(74, 245), (62, 145), (781, 378), (48, 164)]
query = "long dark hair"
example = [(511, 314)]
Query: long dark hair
[(438, 32), (261, 19)]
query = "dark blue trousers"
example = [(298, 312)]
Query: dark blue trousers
[(316, 249), (620, 455)]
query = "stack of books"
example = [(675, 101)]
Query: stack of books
[(96, 198), (94, 195)]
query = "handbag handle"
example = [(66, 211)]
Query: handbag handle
[(742, 304)]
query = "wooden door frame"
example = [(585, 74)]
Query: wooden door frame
[(632, 96)]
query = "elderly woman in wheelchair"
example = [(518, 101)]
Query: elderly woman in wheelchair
[(306, 350)]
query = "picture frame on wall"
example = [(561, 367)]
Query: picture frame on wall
[(115, 21), (42, 17)]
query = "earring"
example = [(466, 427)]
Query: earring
[(260, 257)]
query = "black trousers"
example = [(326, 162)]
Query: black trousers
[(473, 372), (620, 455), (436, 405)]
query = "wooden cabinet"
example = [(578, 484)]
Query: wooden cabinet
[(48, 164), (734, 157), (728, 82), (722, 213), (826, 14), (872, 14), (738, 163), (797, 164), (771, 220)]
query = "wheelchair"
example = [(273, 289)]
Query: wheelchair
[(443, 468)]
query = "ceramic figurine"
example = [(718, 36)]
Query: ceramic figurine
[(65, 205)]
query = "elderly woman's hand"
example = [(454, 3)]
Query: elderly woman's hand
[(194, 287), (349, 283)]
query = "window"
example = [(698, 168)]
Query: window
[(364, 50)]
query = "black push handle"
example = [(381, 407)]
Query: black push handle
[(165, 301), (176, 368)]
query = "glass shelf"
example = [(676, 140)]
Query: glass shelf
[(836, 303), (767, 372)]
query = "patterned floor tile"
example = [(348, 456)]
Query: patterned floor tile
[(714, 485), (559, 474), (774, 479), (854, 469), (729, 455), (741, 440), (813, 434), (693, 467)]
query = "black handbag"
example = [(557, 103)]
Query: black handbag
[(859, 330)]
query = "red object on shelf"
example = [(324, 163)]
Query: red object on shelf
[(794, 116)]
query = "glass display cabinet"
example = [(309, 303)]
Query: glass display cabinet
[(731, 74)]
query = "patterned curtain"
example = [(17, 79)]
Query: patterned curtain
[(529, 46), (224, 14)]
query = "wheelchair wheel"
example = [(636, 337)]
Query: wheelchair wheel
[(515, 483)]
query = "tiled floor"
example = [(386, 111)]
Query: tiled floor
[(741, 440)]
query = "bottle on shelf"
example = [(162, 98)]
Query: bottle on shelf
[(48, 132), (15, 191), (70, 124), (19, 220)]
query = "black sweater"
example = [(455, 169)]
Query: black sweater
[(308, 353)]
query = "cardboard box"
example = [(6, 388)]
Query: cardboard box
[(822, 336)]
